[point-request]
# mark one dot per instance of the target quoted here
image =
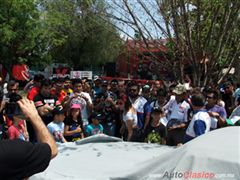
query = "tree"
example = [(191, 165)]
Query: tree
[(203, 34), (80, 33), (39, 32), (19, 31)]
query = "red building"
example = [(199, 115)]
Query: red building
[(142, 61)]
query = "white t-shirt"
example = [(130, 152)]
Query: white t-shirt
[(139, 103), (177, 110), (56, 129), (131, 115), (214, 122), (82, 103), (203, 116)]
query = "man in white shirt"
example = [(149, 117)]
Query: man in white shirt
[(81, 98), (177, 115), (201, 121), (138, 103)]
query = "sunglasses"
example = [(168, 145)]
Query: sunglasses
[(133, 90), (13, 89), (78, 86), (209, 97)]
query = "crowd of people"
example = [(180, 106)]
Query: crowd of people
[(155, 112)]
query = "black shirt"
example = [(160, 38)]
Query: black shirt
[(41, 100), (20, 159), (72, 126), (160, 129)]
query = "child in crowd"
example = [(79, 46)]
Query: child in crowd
[(73, 129), (95, 127), (17, 130), (156, 132), (56, 127)]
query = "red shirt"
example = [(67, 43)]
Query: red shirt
[(16, 132), (32, 93), (9, 122), (60, 95)]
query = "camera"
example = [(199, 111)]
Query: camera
[(11, 107)]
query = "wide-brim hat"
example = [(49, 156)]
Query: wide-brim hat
[(180, 89)]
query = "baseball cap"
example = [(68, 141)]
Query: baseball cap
[(146, 88), (57, 111), (95, 78), (104, 82), (75, 106), (180, 89), (96, 115), (114, 81)]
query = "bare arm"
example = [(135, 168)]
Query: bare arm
[(44, 110), (43, 135), (88, 101), (89, 106), (130, 129), (147, 120), (70, 133), (66, 101), (26, 88), (221, 121)]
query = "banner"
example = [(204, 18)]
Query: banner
[(81, 74)]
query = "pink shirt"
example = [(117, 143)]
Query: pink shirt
[(16, 132)]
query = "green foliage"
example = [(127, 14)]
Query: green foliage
[(38, 32), (19, 30), (81, 34)]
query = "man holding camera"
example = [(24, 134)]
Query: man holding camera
[(12, 87), (20, 159), (7, 121)]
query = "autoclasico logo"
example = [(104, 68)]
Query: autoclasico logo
[(191, 175)]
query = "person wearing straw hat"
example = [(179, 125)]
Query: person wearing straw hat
[(177, 115)]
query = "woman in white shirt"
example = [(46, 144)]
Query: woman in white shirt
[(130, 119)]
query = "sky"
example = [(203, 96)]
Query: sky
[(118, 9)]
